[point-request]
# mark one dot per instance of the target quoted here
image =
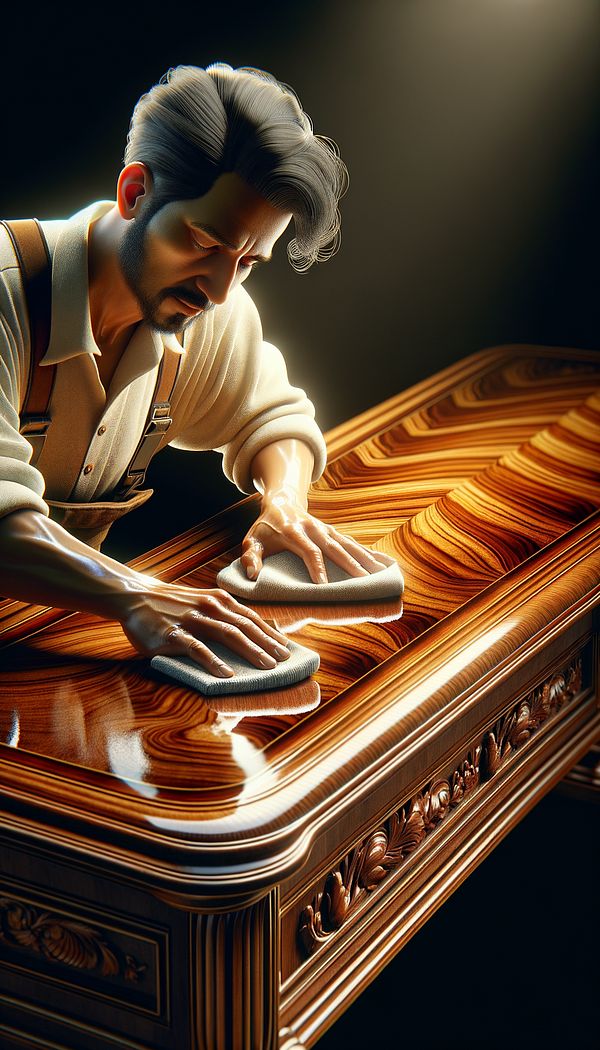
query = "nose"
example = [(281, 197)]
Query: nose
[(219, 274)]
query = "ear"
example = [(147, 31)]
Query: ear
[(133, 189)]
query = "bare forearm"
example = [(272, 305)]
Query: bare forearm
[(284, 468), (41, 562), (282, 473)]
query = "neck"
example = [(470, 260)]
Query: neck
[(114, 310)]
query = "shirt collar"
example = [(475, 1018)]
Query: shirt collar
[(71, 328)]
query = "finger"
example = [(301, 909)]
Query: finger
[(230, 635), (179, 642), (371, 560), (312, 555), (361, 557), (229, 602), (339, 556), (195, 621), (328, 541), (252, 557)]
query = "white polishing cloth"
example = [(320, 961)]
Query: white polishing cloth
[(285, 578), (301, 663)]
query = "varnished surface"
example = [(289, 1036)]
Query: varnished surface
[(483, 482)]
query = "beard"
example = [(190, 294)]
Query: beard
[(132, 255)]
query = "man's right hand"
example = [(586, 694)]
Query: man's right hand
[(182, 621), (41, 562)]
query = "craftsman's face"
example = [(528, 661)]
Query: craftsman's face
[(187, 257)]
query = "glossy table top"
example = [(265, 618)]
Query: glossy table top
[(483, 482)]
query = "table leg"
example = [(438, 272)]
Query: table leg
[(235, 977)]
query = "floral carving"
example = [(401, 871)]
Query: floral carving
[(386, 849), (515, 728), (367, 865), (58, 939)]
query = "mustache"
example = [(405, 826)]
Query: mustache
[(198, 299)]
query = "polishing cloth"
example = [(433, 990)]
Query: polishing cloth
[(301, 663), (285, 578)]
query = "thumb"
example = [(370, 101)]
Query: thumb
[(252, 557)]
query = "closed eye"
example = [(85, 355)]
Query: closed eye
[(244, 264), (249, 264), (202, 247)]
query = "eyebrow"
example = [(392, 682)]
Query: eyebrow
[(216, 236)]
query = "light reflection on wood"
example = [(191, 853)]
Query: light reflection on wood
[(460, 490)]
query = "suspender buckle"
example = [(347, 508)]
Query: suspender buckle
[(159, 422), (160, 419), (34, 426)]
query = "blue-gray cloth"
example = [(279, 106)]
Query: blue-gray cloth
[(285, 578), (301, 663)]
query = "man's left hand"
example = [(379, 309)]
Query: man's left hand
[(284, 524)]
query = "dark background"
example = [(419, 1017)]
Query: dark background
[(471, 131)]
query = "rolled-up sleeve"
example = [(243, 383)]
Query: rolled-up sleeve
[(245, 400), (21, 485)]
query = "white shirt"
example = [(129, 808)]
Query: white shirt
[(232, 392)]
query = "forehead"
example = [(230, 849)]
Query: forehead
[(236, 212)]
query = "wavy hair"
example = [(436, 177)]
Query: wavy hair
[(197, 124)]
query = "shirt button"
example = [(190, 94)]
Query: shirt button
[(88, 469), (101, 431)]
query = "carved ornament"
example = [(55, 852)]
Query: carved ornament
[(60, 940), (515, 728), (386, 849), (365, 867)]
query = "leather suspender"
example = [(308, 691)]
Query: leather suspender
[(157, 423), (33, 257), (35, 264)]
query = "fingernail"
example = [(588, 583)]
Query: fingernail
[(322, 577), (223, 670), (267, 661), (282, 651)]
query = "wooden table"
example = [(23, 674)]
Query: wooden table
[(230, 876)]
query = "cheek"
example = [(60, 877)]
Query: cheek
[(162, 262), (167, 258), (168, 227)]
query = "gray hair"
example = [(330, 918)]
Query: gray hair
[(196, 124)]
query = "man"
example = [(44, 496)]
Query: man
[(218, 162)]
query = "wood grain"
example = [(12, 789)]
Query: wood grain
[(209, 847), (482, 480)]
